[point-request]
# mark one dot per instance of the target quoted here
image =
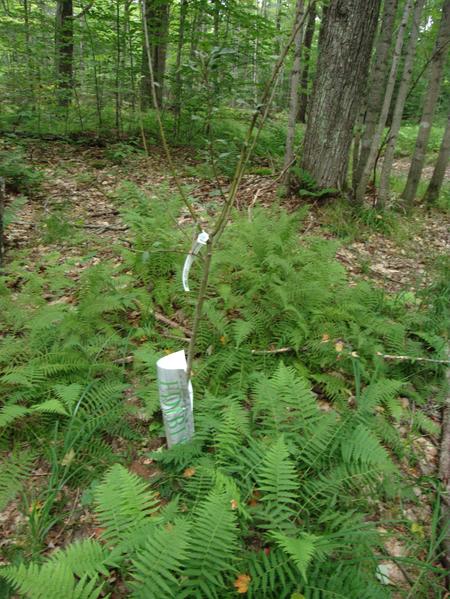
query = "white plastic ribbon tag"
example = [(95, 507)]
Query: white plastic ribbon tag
[(199, 243)]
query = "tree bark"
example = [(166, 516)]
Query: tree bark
[(388, 92), (344, 55), (64, 51), (400, 105), (432, 95), (293, 102), (178, 79), (376, 87), (157, 16), (434, 187), (309, 35)]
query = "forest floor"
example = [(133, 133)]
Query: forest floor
[(73, 213), (79, 183)]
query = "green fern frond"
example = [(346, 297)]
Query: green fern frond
[(212, 549), (278, 483), (157, 569), (301, 549), (124, 503), (14, 471)]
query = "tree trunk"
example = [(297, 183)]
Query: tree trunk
[(388, 92), (293, 102), (377, 81), (432, 95), (400, 105), (437, 179), (2, 209), (64, 51), (309, 35), (344, 55), (157, 16), (178, 79)]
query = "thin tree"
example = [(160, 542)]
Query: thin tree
[(435, 185), (64, 51), (293, 100), (399, 107), (309, 35), (345, 46), (431, 98), (376, 85), (388, 92)]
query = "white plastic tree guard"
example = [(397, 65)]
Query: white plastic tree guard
[(176, 398)]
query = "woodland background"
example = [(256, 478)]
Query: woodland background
[(311, 140)]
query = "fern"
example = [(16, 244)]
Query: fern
[(123, 504), (157, 569), (278, 485), (212, 548)]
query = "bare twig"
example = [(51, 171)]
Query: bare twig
[(171, 323), (444, 475), (411, 359), (267, 352)]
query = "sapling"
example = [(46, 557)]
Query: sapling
[(254, 129)]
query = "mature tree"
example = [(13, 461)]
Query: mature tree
[(156, 13), (344, 55), (437, 179), (431, 98), (402, 93), (376, 84), (388, 92), (309, 35), (64, 50)]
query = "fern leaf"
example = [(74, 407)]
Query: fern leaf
[(301, 550), (157, 569), (278, 485), (212, 548), (123, 503)]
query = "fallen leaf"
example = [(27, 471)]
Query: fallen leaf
[(325, 338), (339, 346), (234, 504), (241, 583), (189, 472)]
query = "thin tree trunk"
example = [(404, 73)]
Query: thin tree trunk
[(432, 95), (2, 209), (388, 92), (344, 55), (309, 35), (178, 78), (400, 105), (117, 92), (293, 103), (128, 37), (434, 187), (64, 51), (377, 84), (26, 18)]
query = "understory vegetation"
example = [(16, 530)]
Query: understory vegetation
[(280, 492)]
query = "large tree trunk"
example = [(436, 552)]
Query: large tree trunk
[(388, 92), (400, 105), (309, 35), (64, 51), (157, 16), (376, 87), (437, 179), (432, 95), (293, 102), (345, 45)]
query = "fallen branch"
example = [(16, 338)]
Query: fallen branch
[(172, 323), (267, 352), (408, 358), (103, 227)]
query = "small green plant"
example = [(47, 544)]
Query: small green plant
[(18, 174)]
